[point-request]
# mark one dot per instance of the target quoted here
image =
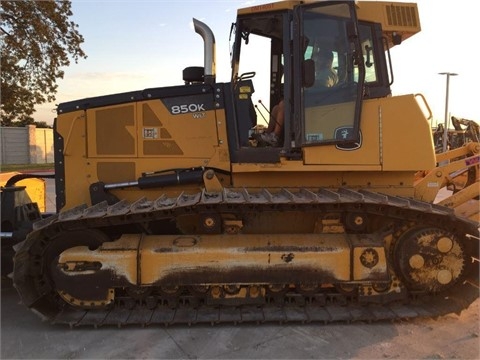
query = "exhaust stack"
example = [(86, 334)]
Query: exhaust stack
[(209, 50)]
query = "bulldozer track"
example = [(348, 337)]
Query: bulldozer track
[(32, 283), (338, 309)]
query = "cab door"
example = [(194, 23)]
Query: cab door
[(327, 112)]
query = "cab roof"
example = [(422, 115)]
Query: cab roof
[(399, 20)]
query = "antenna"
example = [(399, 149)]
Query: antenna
[(256, 107), (261, 103)]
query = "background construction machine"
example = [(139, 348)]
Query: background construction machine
[(168, 213), (23, 201), (464, 131)]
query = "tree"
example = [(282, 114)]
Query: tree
[(37, 40)]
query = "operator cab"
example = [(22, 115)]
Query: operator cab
[(277, 56)]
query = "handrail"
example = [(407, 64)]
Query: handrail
[(67, 141), (430, 117)]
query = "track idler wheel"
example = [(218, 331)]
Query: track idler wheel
[(81, 283), (429, 259)]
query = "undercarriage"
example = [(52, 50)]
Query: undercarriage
[(243, 255)]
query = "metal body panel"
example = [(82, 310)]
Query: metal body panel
[(222, 259), (383, 128), (119, 143)]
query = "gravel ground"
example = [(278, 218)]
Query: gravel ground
[(25, 336)]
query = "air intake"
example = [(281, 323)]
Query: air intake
[(401, 15)]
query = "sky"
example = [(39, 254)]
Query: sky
[(133, 45)]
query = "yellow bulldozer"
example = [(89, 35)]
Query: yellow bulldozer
[(171, 211)]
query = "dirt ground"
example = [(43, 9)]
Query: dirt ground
[(25, 336)]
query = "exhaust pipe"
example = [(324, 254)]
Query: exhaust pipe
[(209, 50)]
